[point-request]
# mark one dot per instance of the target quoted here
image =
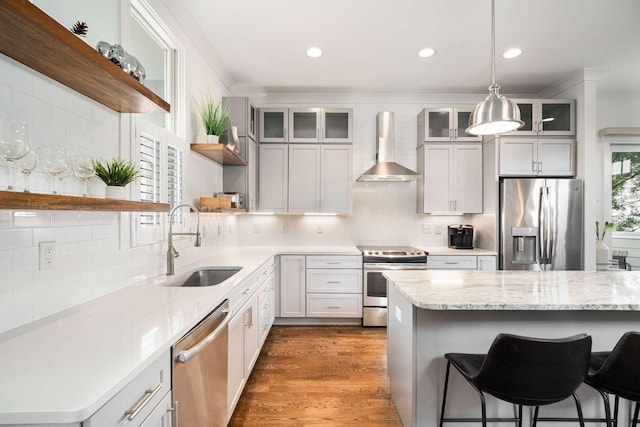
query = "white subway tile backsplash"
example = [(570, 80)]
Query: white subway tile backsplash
[(105, 231), (91, 247), (77, 234), (15, 238), (25, 257), (14, 76), (50, 129), (49, 92), (49, 234), (6, 260), (6, 301), (30, 219), (5, 219), (15, 317), (64, 218), (66, 118), (28, 294), (49, 306), (6, 96)]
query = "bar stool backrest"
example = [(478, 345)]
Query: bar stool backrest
[(534, 371), (620, 373)]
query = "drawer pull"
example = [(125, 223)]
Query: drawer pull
[(452, 262), (333, 306), (174, 413), (148, 395), (334, 262), (334, 282), (246, 291)]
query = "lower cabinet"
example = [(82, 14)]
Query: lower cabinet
[(321, 286), (145, 401), (248, 329), (461, 262)]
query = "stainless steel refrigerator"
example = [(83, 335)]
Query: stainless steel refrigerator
[(541, 224)]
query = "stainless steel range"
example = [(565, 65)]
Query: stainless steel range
[(377, 259)]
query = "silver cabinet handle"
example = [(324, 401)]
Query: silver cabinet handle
[(185, 355), (334, 262), (333, 306), (246, 291), (334, 282), (148, 395), (249, 312), (452, 262), (174, 413), (539, 167), (534, 166)]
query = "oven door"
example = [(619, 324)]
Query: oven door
[(375, 284)]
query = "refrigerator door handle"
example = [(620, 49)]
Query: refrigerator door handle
[(541, 229), (550, 233)]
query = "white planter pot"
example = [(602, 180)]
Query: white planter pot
[(213, 139), (113, 192), (602, 252)]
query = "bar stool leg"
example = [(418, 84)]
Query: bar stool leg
[(615, 411), (607, 407), (444, 395), (635, 415), (535, 416), (579, 407), (519, 423), (484, 408)]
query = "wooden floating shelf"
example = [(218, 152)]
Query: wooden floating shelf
[(32, 37), (18, 200), (219, 153), (223, 210)]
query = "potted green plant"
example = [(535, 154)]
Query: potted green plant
[(117, 174), (214, 116)]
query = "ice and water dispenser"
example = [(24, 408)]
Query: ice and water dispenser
[(524, 245)]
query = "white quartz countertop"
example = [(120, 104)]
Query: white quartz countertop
[(443, 250), (514, 290), (63, 368)]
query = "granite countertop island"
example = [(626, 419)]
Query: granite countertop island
[(433, 312)]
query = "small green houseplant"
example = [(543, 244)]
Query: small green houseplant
[(214, 116), (117, 174)]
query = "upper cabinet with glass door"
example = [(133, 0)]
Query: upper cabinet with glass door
[(554, 117), (274, 124), (306, 125), (445, 124)]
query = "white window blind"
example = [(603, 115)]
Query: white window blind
[(150, 185), (174, 179)]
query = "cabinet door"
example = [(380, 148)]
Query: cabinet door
[(304, 124), (452, 262), (461, 122), (529, 115), (337, 125), (486, 262), (251, 195), (273, 172), (518, 156), (557, 117), (336, 176), (242, 113), (274, 123), (235, 367), (161, 416), (438, 124), (304, 178), (437, 178), (467, 178), (251, 330), (252, 119), (292, 286), (556, 157)]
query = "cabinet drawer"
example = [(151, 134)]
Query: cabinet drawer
[(334, 305), (264, 271), (154, 382), (453, 262), (338, 281), (334, 261)]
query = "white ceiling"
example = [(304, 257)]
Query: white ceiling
[(372, 45)]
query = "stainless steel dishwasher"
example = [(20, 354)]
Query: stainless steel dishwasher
[(200, 371)]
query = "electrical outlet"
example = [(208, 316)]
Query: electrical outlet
[(256, 228), (219, 230), (438, 228), (47, 255), (319, 229), (427, 228), (284, 227)]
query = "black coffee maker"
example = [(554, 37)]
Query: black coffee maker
[(460, 236)]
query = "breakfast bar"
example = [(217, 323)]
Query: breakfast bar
[(433, 312)]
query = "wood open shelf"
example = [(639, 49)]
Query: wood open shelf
[(223, 210), (32, 37), (18, 200), (219, 153)]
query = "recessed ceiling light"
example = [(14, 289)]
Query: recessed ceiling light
[(314, 52), (512, 53), (426, 53)]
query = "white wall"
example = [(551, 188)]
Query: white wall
[(94, 254)]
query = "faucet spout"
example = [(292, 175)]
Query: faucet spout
[(171, 251)]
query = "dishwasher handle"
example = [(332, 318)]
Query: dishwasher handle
[(185, 355)]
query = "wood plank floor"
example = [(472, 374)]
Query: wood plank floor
[(319, 376)]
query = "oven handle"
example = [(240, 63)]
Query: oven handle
[(383, 267)]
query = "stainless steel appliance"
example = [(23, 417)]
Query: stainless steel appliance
[(541, 224), (200, 371), (460, 236), (376, 260)]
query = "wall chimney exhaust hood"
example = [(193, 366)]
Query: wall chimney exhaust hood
[(386, 169)]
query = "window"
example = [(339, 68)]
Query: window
[(149, 177), (625, 187)]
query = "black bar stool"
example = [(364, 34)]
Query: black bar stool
[(523, 371), (617, 372)]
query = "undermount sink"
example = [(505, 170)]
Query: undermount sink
[(207, 276)]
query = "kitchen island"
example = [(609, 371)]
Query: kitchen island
[(435, 312)]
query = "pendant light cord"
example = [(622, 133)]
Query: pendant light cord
[(493, 43)]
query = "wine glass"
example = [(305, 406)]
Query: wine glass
[(83, 169), (56, 164), (26, 165), (15, 143)]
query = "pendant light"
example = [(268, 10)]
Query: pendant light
[(496, 114)]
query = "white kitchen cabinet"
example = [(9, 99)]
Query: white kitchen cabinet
[(445, 124), (337, 125), (487, 262), (339, 281), (334, 305), (266, 304), (273, 181), (305, 124), (274, 125), (334, 286), (292, 286), (162, 415), (320, 178), (251, 329), (243, 114), (552, 117), (138, 399), (451, 178), (537, 157), (235, 368)]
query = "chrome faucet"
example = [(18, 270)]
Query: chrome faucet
[(171, 251)]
